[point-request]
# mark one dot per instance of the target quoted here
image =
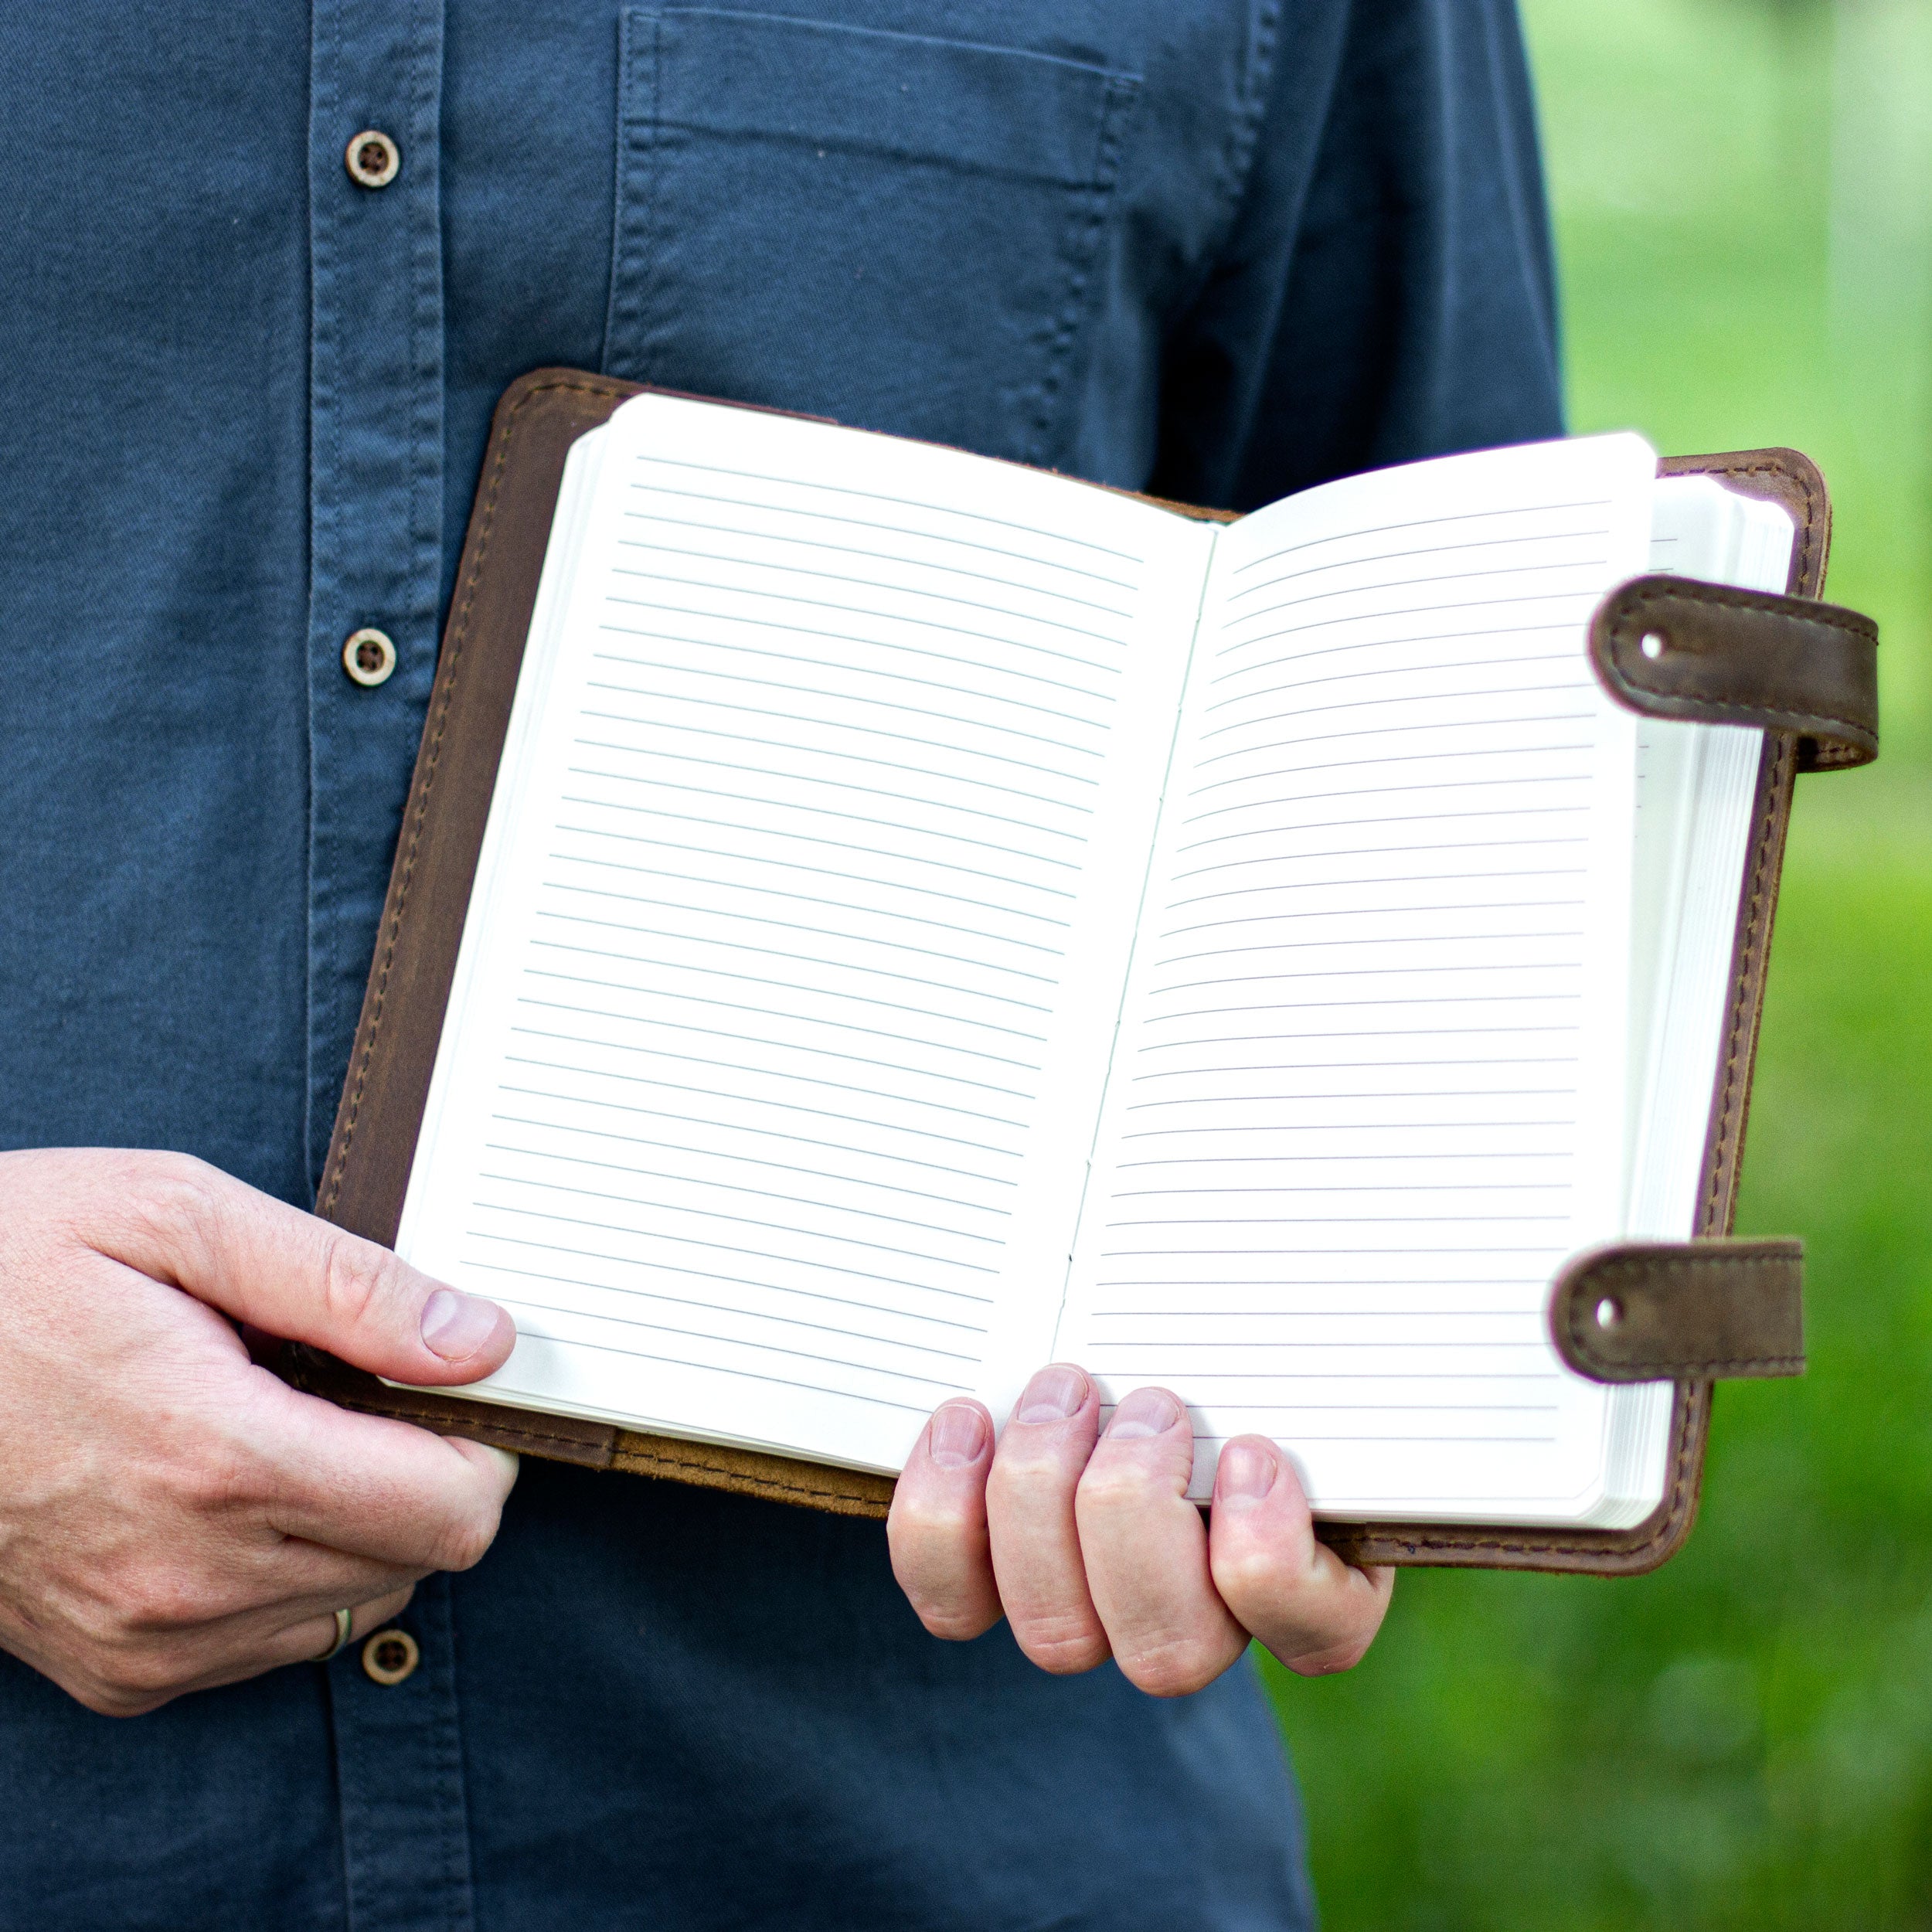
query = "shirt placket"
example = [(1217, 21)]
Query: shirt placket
[(376, 482), (376, 500)]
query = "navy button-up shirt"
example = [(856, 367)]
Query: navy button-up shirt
[(1218, 250)]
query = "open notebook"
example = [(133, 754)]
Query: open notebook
[(935, 917)]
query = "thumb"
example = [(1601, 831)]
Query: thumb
[(278, 1269)]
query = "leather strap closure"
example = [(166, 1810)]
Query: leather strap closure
[(1670, 1311), (1671, 647)]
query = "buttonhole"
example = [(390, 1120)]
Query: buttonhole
[(1654, 644), (1610, 1312)]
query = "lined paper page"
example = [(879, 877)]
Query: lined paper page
[(1369, 1092), (784, 1015)]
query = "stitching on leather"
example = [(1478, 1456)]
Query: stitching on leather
[(1809, 536), (522, 1434), (458, 637), (1729, 597), (769, 1484), (1716, 1260), (1701, 1367), (652, 1459), (1743, 1016)]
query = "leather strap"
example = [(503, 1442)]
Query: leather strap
[(1664, 1310), (1673, 648)]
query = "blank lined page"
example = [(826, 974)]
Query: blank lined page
[(1368, 1091), (786, 1000)]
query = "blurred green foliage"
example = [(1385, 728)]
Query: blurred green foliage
[(1743, 199)]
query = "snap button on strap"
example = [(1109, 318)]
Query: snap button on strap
[(1670, 1311)]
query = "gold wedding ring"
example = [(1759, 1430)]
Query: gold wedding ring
[(343, 1619)]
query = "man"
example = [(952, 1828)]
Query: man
[(266, 270)]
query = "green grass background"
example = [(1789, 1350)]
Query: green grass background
[(1743, 199)]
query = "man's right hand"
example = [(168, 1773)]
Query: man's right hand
[(172, 1516)]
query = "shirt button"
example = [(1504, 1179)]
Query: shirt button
[(372, 159), (390, 1655), (368, 656)]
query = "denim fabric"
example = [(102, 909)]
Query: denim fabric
[(1218, 250)]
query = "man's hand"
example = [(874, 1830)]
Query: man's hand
[(1088, 1545), (173, 1516)]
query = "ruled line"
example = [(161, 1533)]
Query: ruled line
[(803, 1079), (681, 1241), (1409, 758), (860, 523), (853, 757), (628, 1263), (951, 599), (1389, 731), (849, 817), (1354, 881), (898, 501), (707, 1214), (866, 610), (737, 618), (575, 1161), (1513, 571), (797, 959), (797, 717), (717, 1154), (1418, 523), (740, 1127), (788, 865), (763, 1348), (1576, 683), (1552, 626), (848, 669), (785, 925), (836, 784), (1401, 610), (782, 1382), (818, 546), (1391, 556)]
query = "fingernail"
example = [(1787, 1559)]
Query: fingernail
[(959, 1435), (455, 1325), (1246, 1472), (1144, 1412), (1052, 1395)]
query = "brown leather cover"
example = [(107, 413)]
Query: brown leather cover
[(1654, 1310), (1673, 648), (539, 417), (594, 1445)]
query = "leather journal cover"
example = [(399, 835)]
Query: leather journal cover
[(1688, 1312)]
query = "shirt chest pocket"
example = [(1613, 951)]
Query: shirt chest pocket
[(899, 232)]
